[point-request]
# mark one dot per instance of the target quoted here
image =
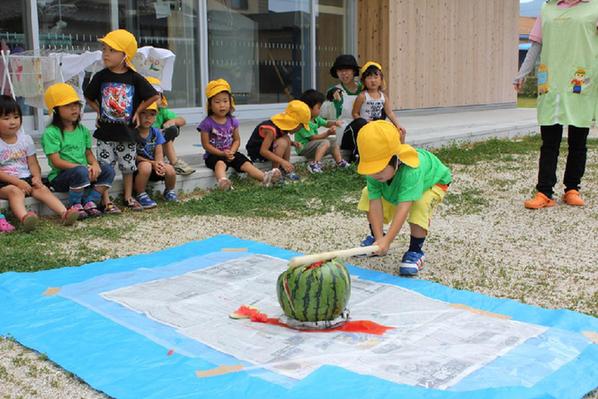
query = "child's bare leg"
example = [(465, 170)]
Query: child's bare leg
[(321, 151), (44, 195), (170, 177), (252, 171), (336, 153), (220, 170), (418, 231), (169, 152), (282, 149), (144, 170), (105, 197), (16, 200), (128, 186)]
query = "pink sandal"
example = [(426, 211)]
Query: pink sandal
[(5, 226)]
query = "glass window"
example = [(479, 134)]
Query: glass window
[(261, 47), (76, 25), (330, 39), (14, 37)]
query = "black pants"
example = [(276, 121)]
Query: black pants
[(549, 155)]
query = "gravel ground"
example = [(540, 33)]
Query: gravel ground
[(482, 240)]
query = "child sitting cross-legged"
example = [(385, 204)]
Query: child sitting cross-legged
[(314, 145), (220, 138), (150, 160)]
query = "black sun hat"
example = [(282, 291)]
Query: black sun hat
[(344, 61)]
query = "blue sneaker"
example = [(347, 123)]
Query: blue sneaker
[(369, 240), (314, 167), (411, 263), (145, 201), (292, 176), (170, 196)]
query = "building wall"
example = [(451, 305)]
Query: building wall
[(442, 53)]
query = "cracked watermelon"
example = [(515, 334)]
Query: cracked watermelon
[(315, 292)]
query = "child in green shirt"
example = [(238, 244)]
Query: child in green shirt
[(403, 184), (313, 145)]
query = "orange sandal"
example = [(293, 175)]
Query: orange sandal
[(539, 201), (573, 198), (30, 221)]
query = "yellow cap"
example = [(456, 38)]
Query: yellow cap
[(153, 106), (156, 84), (218, 86), (60, 94), (378, 142), (122, 40), (296, 113), (369, 64)]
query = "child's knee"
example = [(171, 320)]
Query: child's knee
[(170, 170), (144, 168), (283, 142), (324, 145), (13, 192)]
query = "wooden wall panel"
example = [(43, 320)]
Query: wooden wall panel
[(442, 53)]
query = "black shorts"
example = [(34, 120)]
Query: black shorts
[(26, 180), (236, 163), (152, 177)]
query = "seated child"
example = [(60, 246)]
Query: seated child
[(67, 144), (402, 184), (150, 160), (270, 139), (20, 173), (171, 124), (220, 138), (314, 145)]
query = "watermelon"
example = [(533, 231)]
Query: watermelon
[(315, 292)]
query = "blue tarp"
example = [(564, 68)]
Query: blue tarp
[(122, 362)]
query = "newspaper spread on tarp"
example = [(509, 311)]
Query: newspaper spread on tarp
[(433, 344)]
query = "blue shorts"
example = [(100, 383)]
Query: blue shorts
[(78, 177)]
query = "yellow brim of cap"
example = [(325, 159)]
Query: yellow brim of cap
[(286, 123), (372, 167)]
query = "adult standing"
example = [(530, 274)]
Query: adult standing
[(341, 96), (566, 38)]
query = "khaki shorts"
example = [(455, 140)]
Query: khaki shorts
[(310, 148), (420, 213)]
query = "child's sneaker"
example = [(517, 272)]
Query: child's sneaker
[(92, 209), (5, 226), (170, 196), (292, 176), (182, 168), (411, 263), (145, 201), (271, 177), (30, 221), (343, 164), (369, 240), (314, 167), (70, 216), (80, 211)]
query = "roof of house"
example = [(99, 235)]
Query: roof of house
[(526, 24)]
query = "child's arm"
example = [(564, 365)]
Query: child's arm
[(266, 153), (393, 118), (236, 141), (376, 218), (93, 165), (205, 143), (36, 171), (401, 213), (93, 104), (357, 106), (323, 135), (15, 181), (178, 121), (159, 160)]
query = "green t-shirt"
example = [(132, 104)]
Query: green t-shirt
[(71, 146), (163, 115), (409, 184), (303, 135)]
